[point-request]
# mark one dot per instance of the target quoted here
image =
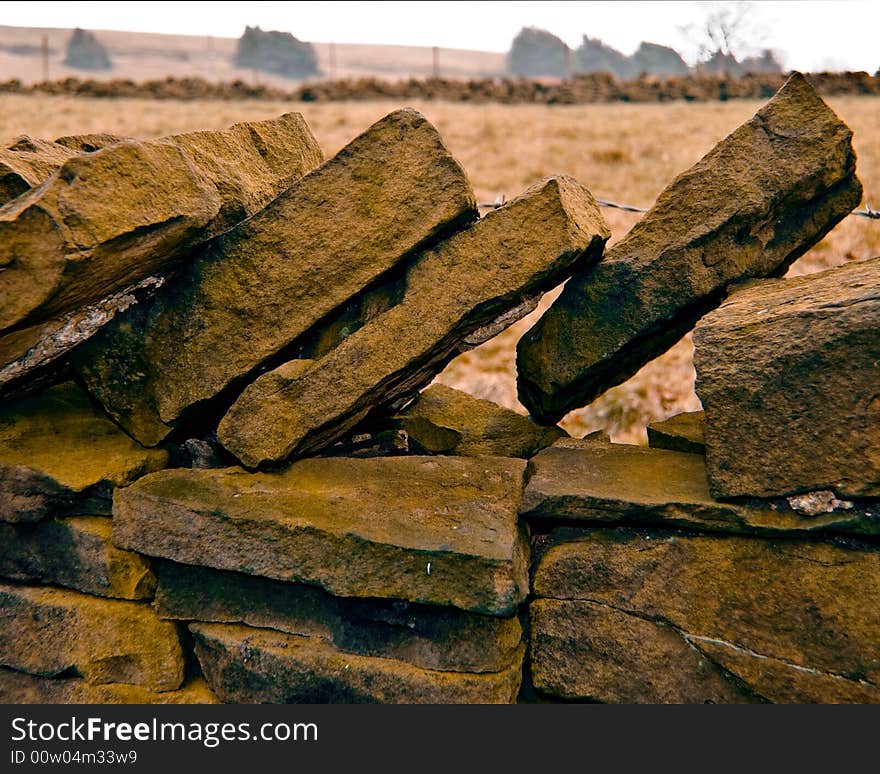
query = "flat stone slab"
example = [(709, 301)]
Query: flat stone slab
[(59, 454), (74, 552), (443, 420), (259, 666), (46, 631), (742, 602), (455, 296), (592, 481), (110, 218), (427, 636), (684, 432), (788, 373), (757, 201), (435, 530), (22, 688), (249, 295)]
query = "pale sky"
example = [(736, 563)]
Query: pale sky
[(808, 34)]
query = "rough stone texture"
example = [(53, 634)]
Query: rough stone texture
[(447, 421), (583, 650), (27, 162), (804, 604), (251, 293), (451, 292), (751, 206), (258, 666), (47, 631), (111, 218), (789, 375), (88, 143), (74, 552), (604, 482), (58, 454), (683, 432), (21, 688), (438, 530), (427, 636)]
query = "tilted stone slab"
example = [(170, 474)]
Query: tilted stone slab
[(74, 552), (46, 631), (464, 284), (255, 291), (22, 688), (447, 421), (427, 636), (684, 432), (438, 530), (605, 482), (758, 200), (110, 218), (258, 666), (27, 162), (789, 375), (581, 650), (799, 602), (60, 454)]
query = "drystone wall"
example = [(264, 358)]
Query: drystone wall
[(225, 476)]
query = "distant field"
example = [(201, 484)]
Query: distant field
[(143, 56), (622, 152)]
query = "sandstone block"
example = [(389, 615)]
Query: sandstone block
[(684, 432), (436, 530), (605, 482), (46, 631), (27, 162), (110, 218), (258, 666), (59, 454), (22, 688), (788, 373), (758, 200), (481, 278), (74, 552), (427, 636), (798, 603), (250, 294)]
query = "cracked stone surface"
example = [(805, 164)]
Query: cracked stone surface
[(258, 666), (790, 621), (427, 636), (26, 162), (758, 200), (434, 530), (249, 295), (592, 481), (788, 372)]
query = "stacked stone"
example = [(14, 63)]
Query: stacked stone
[(250, 349), (733, 560)]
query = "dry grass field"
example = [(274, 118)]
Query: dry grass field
[(622, 152)]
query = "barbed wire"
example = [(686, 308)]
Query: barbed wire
[(501, 199)]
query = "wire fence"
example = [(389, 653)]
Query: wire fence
[(868, 212)]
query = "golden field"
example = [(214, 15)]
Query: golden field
[(622, 152)]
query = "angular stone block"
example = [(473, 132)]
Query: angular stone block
[(798, 602), (481, 277), (46, 631), (258, 666), (250, 294), (605, 482), (427, 636), (27, 162), (759, 199), (437, 530), (22, 688), (59, 454), (684, 432), (110, 218), (74, 552), (789, 375)]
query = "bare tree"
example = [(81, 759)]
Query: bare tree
[(728, 31)]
